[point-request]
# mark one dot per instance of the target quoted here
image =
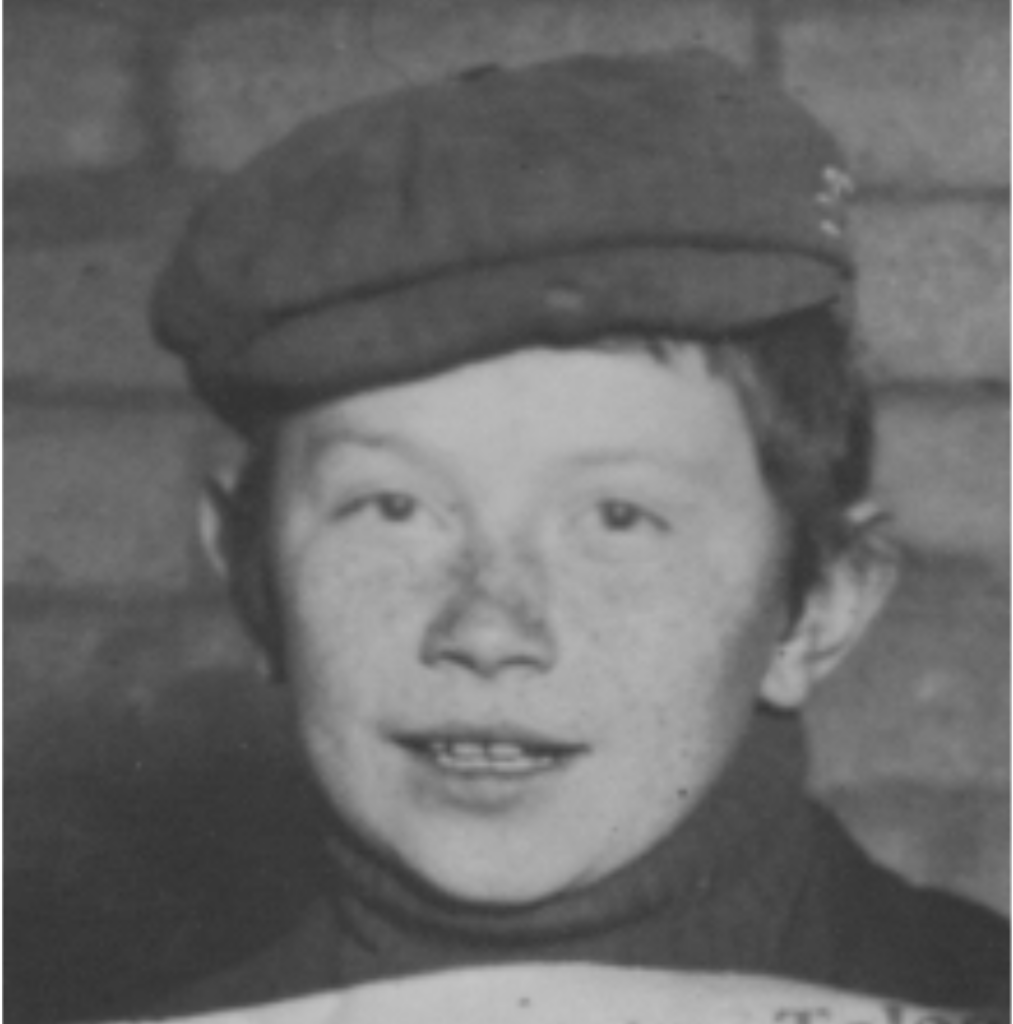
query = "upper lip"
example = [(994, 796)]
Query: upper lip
[(464, 732)]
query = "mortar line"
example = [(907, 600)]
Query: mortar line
[(28, 600), (142, 400), (768, 53)]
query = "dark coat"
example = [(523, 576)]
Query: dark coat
[(845, 922)]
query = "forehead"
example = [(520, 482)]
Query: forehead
[(542, 404)]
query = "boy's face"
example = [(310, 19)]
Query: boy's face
[(528, 605)]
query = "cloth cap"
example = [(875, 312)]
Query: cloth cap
[(549, 204)]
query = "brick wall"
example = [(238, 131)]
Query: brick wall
[(131, 723)]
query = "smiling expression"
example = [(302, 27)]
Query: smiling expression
[(529, 605)]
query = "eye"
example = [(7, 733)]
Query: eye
[(388, 506), (396, 508), (624, 517)]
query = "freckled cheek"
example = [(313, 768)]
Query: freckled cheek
[(623, 608), (355, 617), (668, 644), (661, 676)]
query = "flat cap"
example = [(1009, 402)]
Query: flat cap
[(500, 208)]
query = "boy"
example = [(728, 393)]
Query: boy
[(555, 512)]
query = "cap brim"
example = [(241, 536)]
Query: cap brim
[(428, 326)]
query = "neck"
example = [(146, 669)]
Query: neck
[(713, 892)]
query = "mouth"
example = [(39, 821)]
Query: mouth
[(505, 754)]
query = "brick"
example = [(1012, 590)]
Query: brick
[(454, 34), (926, 696), (134, 698), (67, 101), (241, 83), (935, 289), (144, 204), (917, 93), (956, 840), (47, 653), (148, 803), (77, 316), (102, 500), (944, 471), (66, 652)]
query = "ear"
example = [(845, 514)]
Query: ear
[(836, 614), (216, 522), (226, 534)]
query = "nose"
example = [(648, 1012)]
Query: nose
[(494, 621)]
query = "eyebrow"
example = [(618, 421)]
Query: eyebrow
[(327, 445), (320, 439), (686, 467), (324, 438), (618, 456)]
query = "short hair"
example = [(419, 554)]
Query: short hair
[(806, 401)]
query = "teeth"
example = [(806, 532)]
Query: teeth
[(498, 755), (463, 750), (505, 751)]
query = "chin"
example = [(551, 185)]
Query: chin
[(507, 896), (472, 881)]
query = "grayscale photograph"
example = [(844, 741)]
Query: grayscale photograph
[(507, 511)]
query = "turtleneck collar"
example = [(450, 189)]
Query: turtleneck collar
[(714, 892)]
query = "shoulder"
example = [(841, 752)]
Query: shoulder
[(910, 942)]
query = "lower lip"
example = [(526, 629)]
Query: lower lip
[(476, 787)]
